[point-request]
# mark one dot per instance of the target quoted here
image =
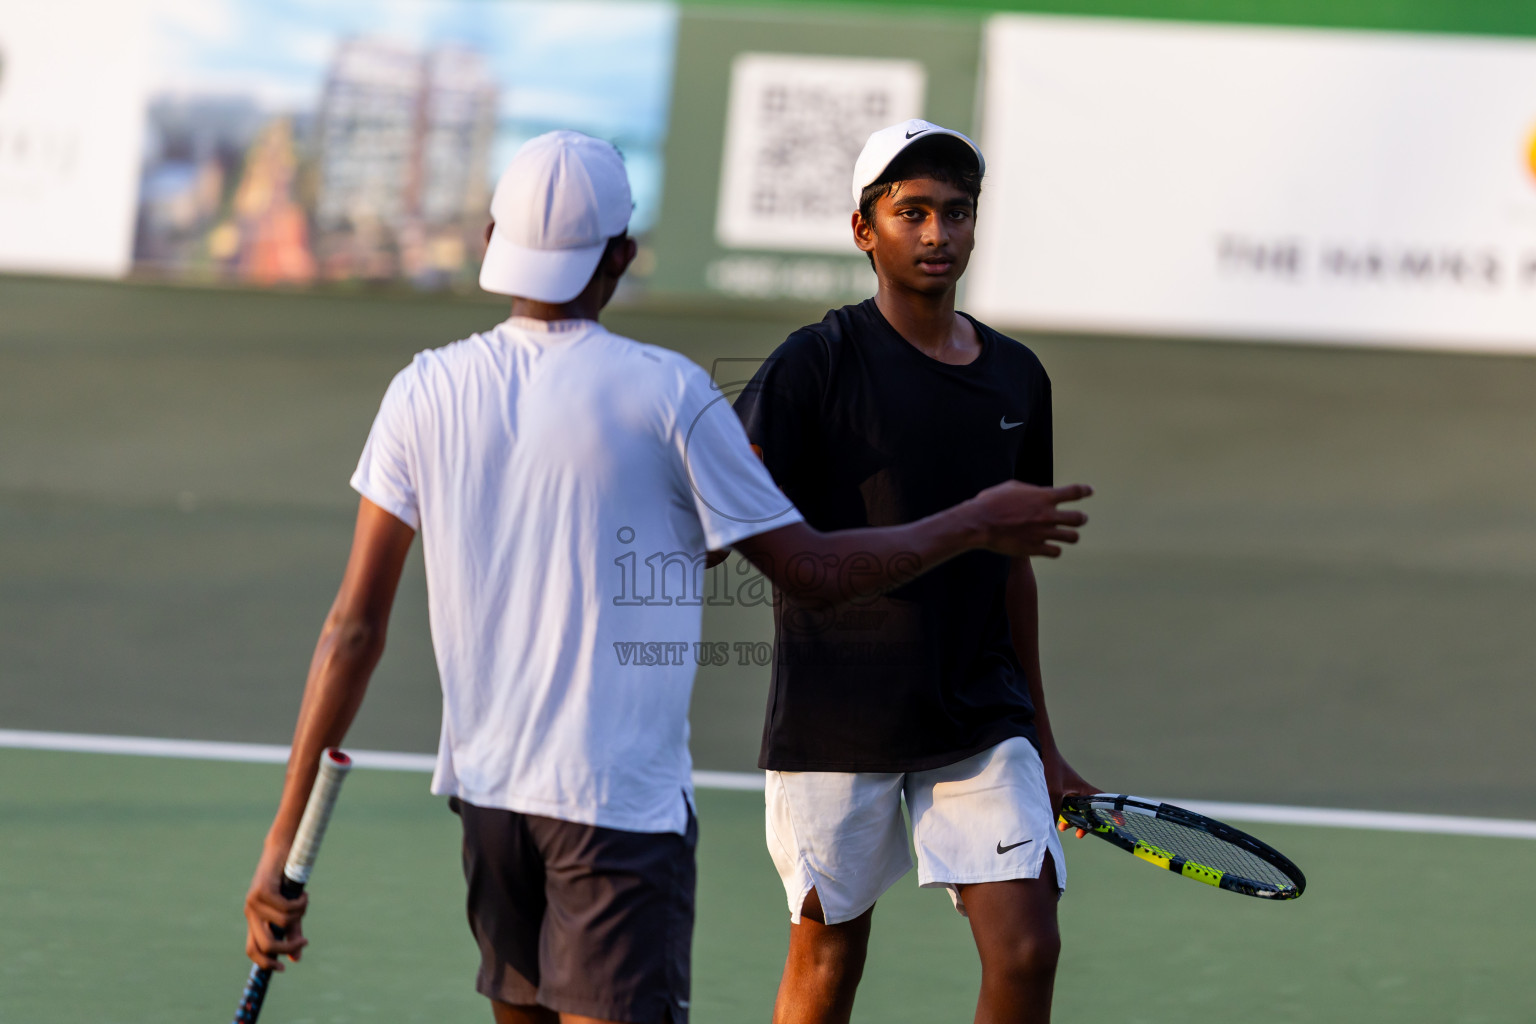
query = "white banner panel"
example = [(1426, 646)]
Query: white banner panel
[(1150, 177), (795, 126), (71, 118)]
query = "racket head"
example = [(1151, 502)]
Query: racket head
[(1187, 843)]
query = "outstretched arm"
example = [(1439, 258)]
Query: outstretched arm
[(825, 569), (351, 642)]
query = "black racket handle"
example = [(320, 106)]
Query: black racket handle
[(1073, 815), (256, 982), (254, 995)]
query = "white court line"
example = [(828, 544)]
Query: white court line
[(729, 780), (1378, 821), (271, 753)]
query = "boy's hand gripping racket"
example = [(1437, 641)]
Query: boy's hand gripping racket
[(1187, 843), (334, 766)]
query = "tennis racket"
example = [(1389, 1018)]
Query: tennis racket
[(1187, 844), (334, 766)]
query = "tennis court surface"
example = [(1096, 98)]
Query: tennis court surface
[(1308, 581), (123, 879)]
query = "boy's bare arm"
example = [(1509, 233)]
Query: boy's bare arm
[(351, 642), (816, 568)]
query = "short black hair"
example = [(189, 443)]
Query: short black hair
[(940, 157)]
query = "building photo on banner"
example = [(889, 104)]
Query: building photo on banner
[(361, 140), (1260, 272)]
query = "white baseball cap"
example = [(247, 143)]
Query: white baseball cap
[(887, 144), (560, 200)]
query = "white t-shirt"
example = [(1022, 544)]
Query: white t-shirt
[(566, 482)]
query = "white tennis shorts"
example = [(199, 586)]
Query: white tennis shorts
[(987, 818)]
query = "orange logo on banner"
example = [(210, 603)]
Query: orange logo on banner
[(1530, 155)]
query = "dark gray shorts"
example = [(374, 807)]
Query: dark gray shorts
[(579, 918)]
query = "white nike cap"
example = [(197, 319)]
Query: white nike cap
[(887, 144), (560, 200)]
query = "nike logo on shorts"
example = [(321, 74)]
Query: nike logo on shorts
[(1009, 426), (1004, 849)]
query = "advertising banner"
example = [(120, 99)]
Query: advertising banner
[(1258, 183), (770, 110), (359, 140), (71, 116)]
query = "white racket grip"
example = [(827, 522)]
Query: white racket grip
[(334, 766)]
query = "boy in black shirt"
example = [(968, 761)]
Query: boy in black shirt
[(883, 413)]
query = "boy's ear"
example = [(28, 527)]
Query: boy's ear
[(620, 256), (863, 232)]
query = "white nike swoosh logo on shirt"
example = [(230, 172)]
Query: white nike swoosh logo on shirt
[(1009, 426)]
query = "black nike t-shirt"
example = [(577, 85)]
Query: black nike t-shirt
[(861, 429)]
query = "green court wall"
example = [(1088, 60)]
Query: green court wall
[(1491, 17)]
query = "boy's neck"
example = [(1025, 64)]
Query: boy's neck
[(586, 306), (929, 323), (576, 309)]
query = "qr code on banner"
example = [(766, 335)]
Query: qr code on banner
[(794, 128)]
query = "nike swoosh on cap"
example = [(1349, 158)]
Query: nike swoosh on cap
[(913, 135), (1004, 849), (1009, 426)]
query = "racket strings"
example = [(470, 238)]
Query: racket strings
[(1201, 847)]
